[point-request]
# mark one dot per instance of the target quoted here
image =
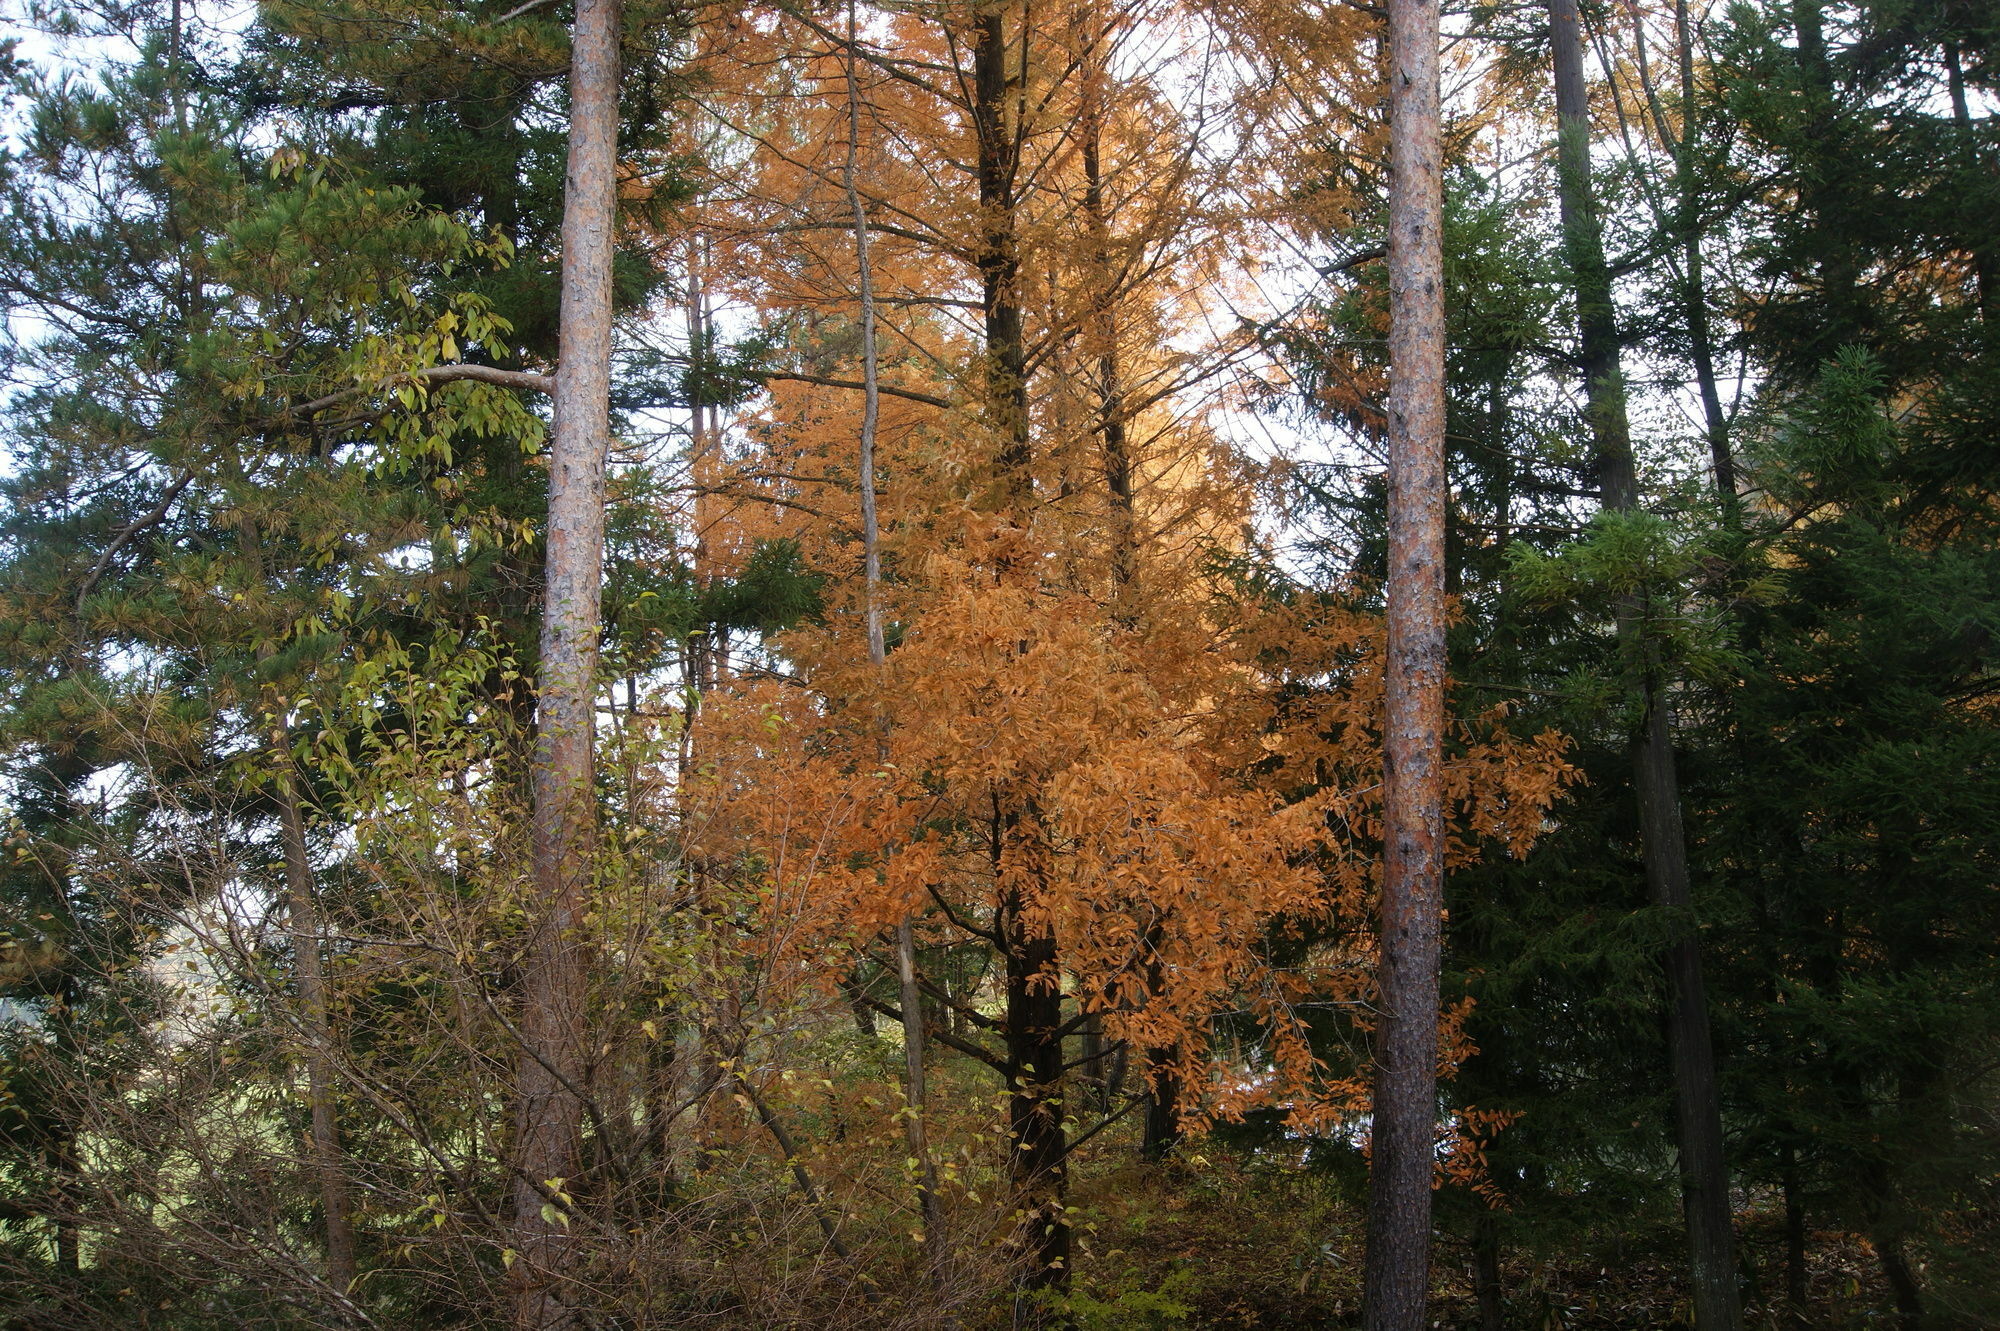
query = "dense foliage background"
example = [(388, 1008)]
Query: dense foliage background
[(1094, 833)]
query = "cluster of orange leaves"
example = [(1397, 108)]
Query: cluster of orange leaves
[(1204, 794), (1179, 780)]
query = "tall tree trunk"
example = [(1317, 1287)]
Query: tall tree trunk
[(1038, 1157), (57, 779), (703, 650), (1825, 191), (1701, 340), (1697, 1112), (1487, 1284), (69, 1230), (1117, 449), (999, 260), (1691, 282), (61, 1154), (1160, 1129), (1397, 1275), (1985, 253), (1038, 1151), (551, 1069), (1903, 1285), (871, 392), (1697, 1108), (915, 1129), (315, 1014), (1091, 1060), (315, 1006), (1795, 1241)]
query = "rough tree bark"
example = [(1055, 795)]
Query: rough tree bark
[(1038, 1152), (999, 259), (552, 1065), (1038, 1158), (1397, 1275), (1697, 1112), (1796, 1314)]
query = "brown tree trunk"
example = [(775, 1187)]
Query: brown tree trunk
[(1032, 1019), (1701, 340), (1825, 193), (916, 1131), (1795, 1242), (1161, 1130), (315, 1007), (1487, 1283), (1091, 1060), (1590, 275), (551, 1069), (315, 1014), (871, 393), (1690, 1050), (1160, 1125), (1697, 1112), (61, 1154), (1038, 1159), (69, 1233), (1903, 1285), (999, 260), (1397, 1275), (1117, 450), (1985, 254)]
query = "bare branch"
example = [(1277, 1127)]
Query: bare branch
[(529, 380), (823, 381), (151, 518)]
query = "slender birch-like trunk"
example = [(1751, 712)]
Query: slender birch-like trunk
[(1117, 449), (1397, 1275), (315, 1014), (551, 1071), (1160, 1127), (915, 1130), (309, 969)]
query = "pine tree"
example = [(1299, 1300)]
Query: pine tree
[(1403, 1109)]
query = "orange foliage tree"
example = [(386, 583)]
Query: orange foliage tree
[(1093, 751)]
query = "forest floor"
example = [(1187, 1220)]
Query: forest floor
[(1219, 1248)]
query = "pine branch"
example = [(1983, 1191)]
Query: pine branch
[(529, 380), (151, 518)]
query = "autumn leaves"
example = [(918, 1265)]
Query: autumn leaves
[(1040, 724)]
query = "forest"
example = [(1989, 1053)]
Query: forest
[(1063, 664)]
